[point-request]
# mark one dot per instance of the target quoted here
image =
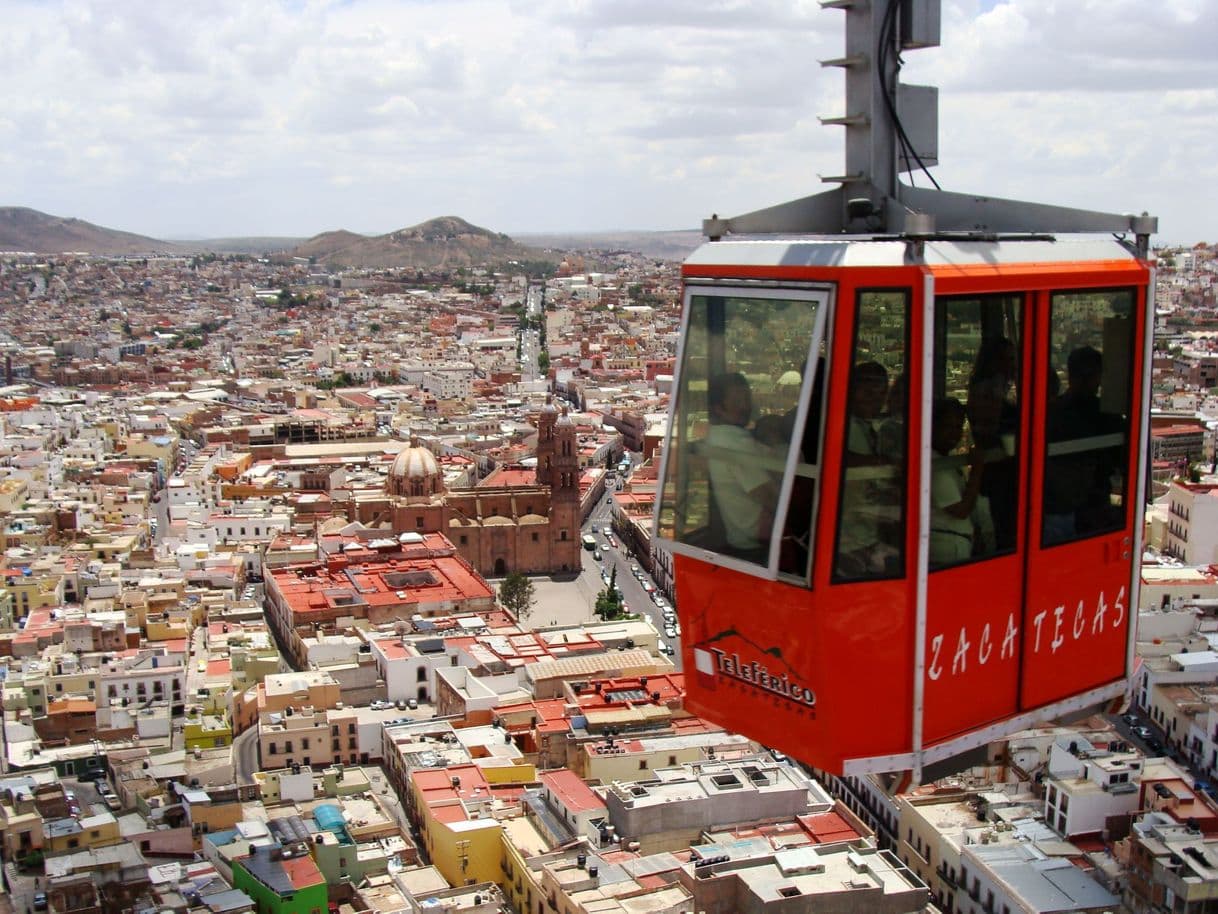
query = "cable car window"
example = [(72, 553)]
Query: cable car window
[(974, 497), (871, 522), (1088, 414), (735, 446)]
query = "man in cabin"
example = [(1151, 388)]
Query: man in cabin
[(871, 492), (744, 491), (960, 524), (1079, 478)]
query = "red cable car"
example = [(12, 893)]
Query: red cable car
[(905, 460)]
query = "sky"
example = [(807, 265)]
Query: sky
[(220, 118)]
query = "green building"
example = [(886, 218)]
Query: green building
[(283, 881)]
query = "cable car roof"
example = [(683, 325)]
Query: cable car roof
[(866, 251)]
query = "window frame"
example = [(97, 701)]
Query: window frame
[(1131, 417), (835, 578), (1025, 393), (824, 296)]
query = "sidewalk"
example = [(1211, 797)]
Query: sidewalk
[(564, 600)]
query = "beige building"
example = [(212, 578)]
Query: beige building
[(308, 737)]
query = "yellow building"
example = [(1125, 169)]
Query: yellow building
[(21, 828), (13, 493), (522, 841), (152, 447), (207, 731), (462, 837), (168, 627), (66, 835), (30, 590)]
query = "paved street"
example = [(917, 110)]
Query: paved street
[(245, 756)]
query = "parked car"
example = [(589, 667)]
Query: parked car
[(665, 647), (670, 631), (1154, 747), (596, 555), (412, 704), (1143, 732), (40, 901), (1131, 719), (659, 601)]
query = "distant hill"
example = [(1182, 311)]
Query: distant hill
[(675, 245), (24, 229), (444, 243)]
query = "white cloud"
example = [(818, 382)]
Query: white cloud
[(298, 116)]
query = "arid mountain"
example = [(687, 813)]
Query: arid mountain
[(23, 229), (444, 243)]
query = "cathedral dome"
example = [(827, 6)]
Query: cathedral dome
[(415, 472), (414, 461)]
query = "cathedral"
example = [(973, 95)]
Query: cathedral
[(532, 528)]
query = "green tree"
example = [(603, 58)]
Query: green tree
[(543, 362), (609, 600), (516, 594)]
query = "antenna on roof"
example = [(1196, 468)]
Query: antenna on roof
[(892, 128)]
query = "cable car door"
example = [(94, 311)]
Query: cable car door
[(977, 517), (1085, 465)]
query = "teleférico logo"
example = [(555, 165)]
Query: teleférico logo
[(716, 662)]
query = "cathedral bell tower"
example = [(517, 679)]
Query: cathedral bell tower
[(564, 493), (545, 443)]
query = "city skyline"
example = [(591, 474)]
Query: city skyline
[(299, 118)]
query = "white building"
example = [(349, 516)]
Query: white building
[(1088, 783), (1192, 523)]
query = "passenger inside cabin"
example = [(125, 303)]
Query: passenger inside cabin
[(1081, 477), (993, 419), (744, 491), (871, 491), (960, 524)]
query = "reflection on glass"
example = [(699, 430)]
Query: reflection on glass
[(871, 523), (734, 419), (1087, 413)]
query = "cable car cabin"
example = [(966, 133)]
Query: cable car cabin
[(901, 484)]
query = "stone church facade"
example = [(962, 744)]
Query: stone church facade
[(498, 530)]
